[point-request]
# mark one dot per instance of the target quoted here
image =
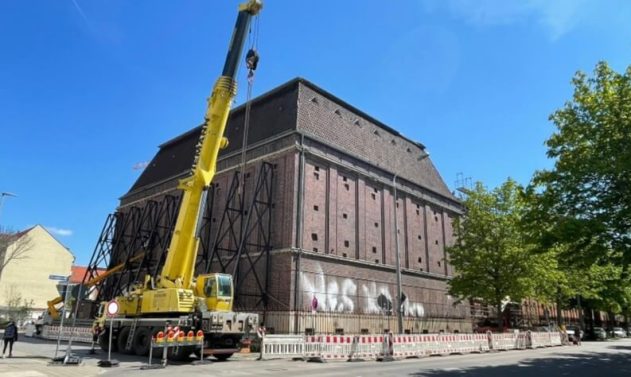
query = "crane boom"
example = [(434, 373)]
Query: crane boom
[(180, 263)]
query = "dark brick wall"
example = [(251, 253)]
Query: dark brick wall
[(343, 286), (327, 119), (335, 199), (348, 205)]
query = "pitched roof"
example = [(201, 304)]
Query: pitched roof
[(175, 156), (78, 273)]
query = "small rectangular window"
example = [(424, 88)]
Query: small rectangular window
[(344, 178), (315, 208), (374, 249), (373, 196), (345, 216), (376, 225), (418, 212), (316, 175), (347, 244), (314, 236), (317, 168), (347, 187), (419, 237), (420, 260)]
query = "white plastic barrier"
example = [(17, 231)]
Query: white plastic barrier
[(432, 345), (376, 347), (481, 342), (282, 346), (504, 341), (404, 346), (523, 340), (367, 347), (460, 343), (78, 334), (330, 347), (540, 339), (556, 339)]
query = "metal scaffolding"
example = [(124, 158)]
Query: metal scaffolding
[(239, 244), (137, 237)]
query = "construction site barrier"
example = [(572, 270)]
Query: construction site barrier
[(390, 346), (556, 339), (282, 346), (540, 339), (505, 341), (78, 334), (368, 347)]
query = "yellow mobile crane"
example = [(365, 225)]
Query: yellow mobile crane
[(177, 296)]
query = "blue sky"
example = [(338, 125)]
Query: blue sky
[(88, 89)]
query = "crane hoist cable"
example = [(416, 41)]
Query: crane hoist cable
[(251, 62)]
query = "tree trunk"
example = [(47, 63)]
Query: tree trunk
[(560, 320), (500, 317)]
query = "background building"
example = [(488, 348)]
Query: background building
[(315, 230), (26, 279)]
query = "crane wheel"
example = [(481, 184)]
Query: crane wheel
[(180, 353), (222, 356), (142, 341), (104, 342), (121, 341)]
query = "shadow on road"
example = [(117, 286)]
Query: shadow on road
[(574, 365)]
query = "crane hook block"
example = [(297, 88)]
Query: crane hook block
[(252, 59)]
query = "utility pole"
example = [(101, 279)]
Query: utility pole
[(398, 258)]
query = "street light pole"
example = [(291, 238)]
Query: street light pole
[(2, 195), (398, 258)]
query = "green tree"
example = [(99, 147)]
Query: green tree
[(491, 257), (584, 202)]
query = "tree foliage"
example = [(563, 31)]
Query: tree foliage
[(16, 307), (13, 246), (584, 202), (491, 257)]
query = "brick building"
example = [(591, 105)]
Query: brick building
[(334, 172)]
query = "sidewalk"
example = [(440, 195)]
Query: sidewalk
[(23, 365)]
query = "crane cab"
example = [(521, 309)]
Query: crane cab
[(217, 291)]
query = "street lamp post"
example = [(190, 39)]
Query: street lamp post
[(398, 258), (2, 195)]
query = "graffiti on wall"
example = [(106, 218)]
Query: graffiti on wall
[(343, 295)]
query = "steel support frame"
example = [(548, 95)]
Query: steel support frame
[(240, 242)]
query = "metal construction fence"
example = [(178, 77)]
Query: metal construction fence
[(390, 346), (78, 334)]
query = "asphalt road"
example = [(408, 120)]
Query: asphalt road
[(611, 358)]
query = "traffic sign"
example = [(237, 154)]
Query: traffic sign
[(58, 277), (112, 308)]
